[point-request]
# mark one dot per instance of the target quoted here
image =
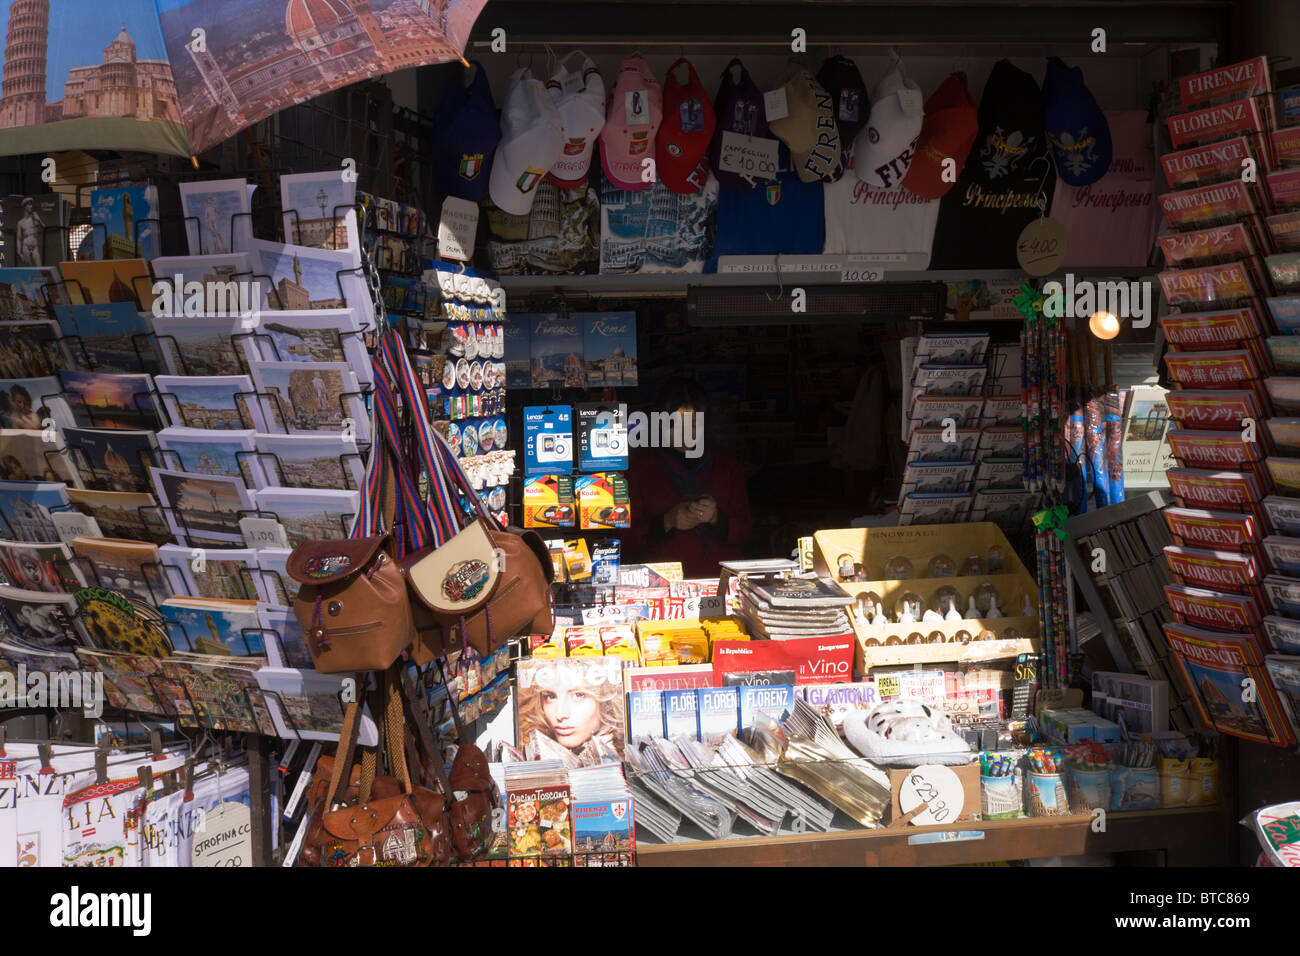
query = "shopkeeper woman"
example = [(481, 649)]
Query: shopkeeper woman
[(689, 501)]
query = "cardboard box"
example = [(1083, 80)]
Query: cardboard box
[(549, 502), (603, 501), (968, 776)]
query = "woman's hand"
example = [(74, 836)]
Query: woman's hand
[(706, 509), (681, 517)]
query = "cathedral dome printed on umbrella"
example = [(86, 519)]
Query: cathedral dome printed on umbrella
[(180, 76)]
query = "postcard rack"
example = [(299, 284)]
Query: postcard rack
[(1127, 599)]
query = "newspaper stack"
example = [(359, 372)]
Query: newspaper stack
[(782, 608), (666, 774)]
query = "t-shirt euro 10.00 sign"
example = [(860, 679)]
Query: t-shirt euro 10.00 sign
[(656, 229)]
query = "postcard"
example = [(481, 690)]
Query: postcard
[(108, 338), (130, 567), (112, 459), (31, 348), (199, 625), (323, 335), (214, 273), (114, 280), (306, 397), (319, 209), (226, 695), (305, 278), (304, 705), (125, 222), (201, 451), (25, 455), (35, 230), (201, 346), (201, 509), (310, 461), (279, 588), (40, 621), (111, 400), (210, 402), (122, 514), (219, 573), (126, 674), (608, 347), (28, 402), (217, 216), (25, 508), (286, 646), (556, 346), (518, 351), (40, 567), (310, 514)]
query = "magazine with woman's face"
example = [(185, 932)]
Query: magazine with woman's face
[(572, 701)]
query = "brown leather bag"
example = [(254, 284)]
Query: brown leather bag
[(390, 821), (485, 585), (469, 784), (352, 604)]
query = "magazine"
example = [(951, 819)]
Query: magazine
[(1212, 529), (1285, 675), (577, 703), (1213, 609), (1216, 666), (1283, 634), (1219, 570)]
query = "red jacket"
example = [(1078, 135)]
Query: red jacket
[(659, 479)]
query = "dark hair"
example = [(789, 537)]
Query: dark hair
[(681, 392)]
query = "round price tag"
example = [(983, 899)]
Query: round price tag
[(939, 787), (1040, 250), (223, 837)]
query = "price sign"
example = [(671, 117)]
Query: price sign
[(457, 228), (936, 786), (1040, 250), (262, 533), (857, 273), (774, 104), (751, 156), (713, 605), (223, 837)]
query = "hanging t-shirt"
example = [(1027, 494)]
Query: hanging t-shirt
[(560, 234), (781, 217), (1113, 221), (656, 229), (979, 226), (864, 220)]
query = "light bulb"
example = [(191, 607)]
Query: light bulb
[(1104, 325)]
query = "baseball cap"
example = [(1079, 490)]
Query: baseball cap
[(530, 144), (840, 77), (682, 146), (883, 148), (1076, 128), (1011, 127), (809, 128), (950, 127), (467, 133), (579, 97), (739, 108), (631, 122)]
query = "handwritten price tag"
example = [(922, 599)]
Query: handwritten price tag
[(262, 533), (1040, 250), (935, 787), (751, 156)]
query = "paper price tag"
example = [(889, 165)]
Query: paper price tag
[(854, 272), (224, 837), (775, 105), (934, 785), (751, 156), (911, 101), (262, 533), (73, 524), (712, 605), (636, 108), (1040, 250), (457, 228), (571, 83)]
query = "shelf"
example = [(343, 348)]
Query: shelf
[(1001, 840), (676, 284)]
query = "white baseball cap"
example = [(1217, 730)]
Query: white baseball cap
[(883, 148), (530, 144), (579, 96)]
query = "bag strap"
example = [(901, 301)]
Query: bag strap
[(426, 739), (345, 753)]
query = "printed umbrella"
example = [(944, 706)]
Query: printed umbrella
[(180, 76)]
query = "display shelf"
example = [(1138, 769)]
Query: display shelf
[(1000, 840)]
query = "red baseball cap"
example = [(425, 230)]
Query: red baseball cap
[(682, 146), (949, 131)]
